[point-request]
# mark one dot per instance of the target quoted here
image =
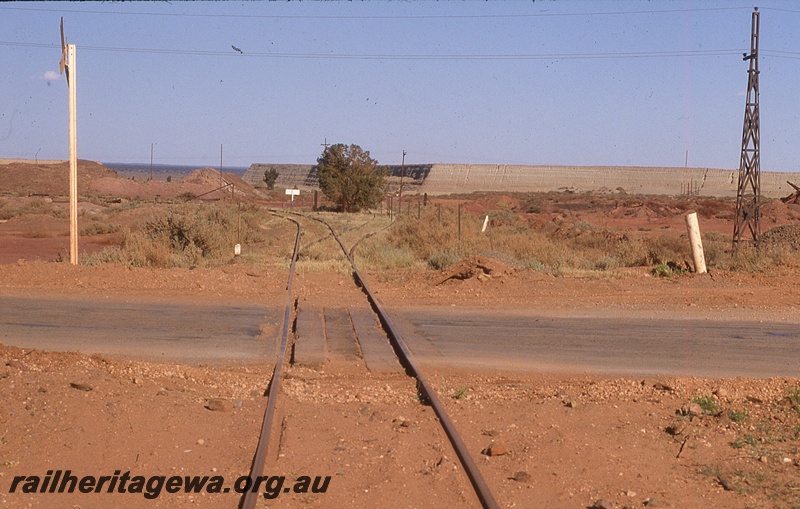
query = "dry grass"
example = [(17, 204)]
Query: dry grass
[(30, 206), (524, 236), (322, 255), (579, 246), (187, 235), (565, 247), (98, 228)]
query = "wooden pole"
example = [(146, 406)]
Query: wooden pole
[(400, 194), (73, 157), (459, 226)]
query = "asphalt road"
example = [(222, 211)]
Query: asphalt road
[(437, 337), (147, 331), (690, 347)]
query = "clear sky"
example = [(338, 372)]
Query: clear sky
[(545, 82)]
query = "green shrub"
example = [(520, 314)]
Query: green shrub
[(438, 260), (709, 405), (737, 416), (662, 270)]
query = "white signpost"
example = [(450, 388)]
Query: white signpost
[(293, 193)]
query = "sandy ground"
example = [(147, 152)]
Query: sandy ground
[(571, 439), (566, 440)]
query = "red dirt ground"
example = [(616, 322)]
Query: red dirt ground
[(571, 439)]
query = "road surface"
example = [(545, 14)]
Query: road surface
[(437, 337), (688, 347), (191, 333)]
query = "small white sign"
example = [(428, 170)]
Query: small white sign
[(293, 192)]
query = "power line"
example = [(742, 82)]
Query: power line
[(779, 10), (364, 56), (781, 54), (379, 17)]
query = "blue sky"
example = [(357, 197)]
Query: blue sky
[(546, 82)]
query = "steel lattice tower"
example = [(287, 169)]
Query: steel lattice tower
[(748, 196)]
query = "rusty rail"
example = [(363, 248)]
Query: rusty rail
[(257, 467), (406, 359), (409, 362)]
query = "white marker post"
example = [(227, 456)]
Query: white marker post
[(696, 243), (293, 193)]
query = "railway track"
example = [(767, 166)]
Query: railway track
[(400, 350)]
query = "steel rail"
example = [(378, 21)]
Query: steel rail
[(405, 357), (409, 362), (257, 467)]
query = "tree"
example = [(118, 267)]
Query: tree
[(270, 176), (350, 177)]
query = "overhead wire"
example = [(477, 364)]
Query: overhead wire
[(780, 54), (366, 56), (334, 56), (383, 16)]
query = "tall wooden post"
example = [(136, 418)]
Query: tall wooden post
[(73, 158), (67, 64), (400, 193)]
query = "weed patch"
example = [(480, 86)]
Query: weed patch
[(460, 392), (708, 404), (184, 236)]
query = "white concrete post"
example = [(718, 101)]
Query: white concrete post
[(696, 243)]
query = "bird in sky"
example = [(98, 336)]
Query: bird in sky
[(237, 49)]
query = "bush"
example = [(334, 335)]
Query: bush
[(662, 270), (33, 206), (184, 236), (438, 260), (270, 177), (349, 177), (7, 212), (708, 404), (376, 253)]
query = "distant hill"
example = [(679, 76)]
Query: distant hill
[(21, 177)]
